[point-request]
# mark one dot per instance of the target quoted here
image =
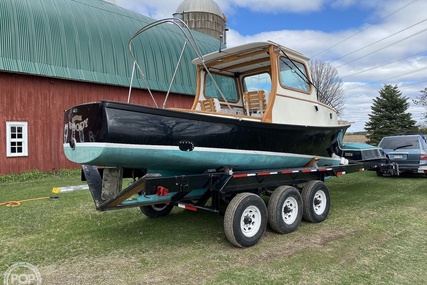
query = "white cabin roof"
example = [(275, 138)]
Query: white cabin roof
[(244, 53)]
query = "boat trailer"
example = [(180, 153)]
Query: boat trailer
[(295, 194)]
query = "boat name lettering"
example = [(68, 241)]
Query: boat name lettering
[(76, 118), (78, 126)]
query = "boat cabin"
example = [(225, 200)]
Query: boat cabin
[(260, 81)]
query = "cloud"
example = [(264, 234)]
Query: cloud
[(154, 9), (277, 6)]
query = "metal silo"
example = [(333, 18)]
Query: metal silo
[(204, 16)]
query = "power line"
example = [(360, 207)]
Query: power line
[(389, 36), (367, 27), (404, 74), (415, 83), (387, 79), (380, 49), (382, 65)]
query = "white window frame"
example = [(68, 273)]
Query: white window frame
[(10, 140)]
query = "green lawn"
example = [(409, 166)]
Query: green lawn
[(375, 234)]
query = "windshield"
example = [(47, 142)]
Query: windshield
[(293, 74), (399, 143), (226, 84), (260, 81)]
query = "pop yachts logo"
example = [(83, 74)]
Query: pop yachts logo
[(22, 273)]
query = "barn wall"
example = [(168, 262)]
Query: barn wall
[(40, 101)]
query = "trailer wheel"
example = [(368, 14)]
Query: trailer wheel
[(157, 210), (316, 199), (285, 209), (245, 219)]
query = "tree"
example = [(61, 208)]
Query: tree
[(422, 100), (330, 90), (388, 116)]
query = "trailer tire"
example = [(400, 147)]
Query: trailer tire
[(157, 210), (245, 219), (316, 201), (285, 209)]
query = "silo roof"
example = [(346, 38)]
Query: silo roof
[(208, 6), (87, 40)]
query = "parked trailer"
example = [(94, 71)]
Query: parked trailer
[(294, 194)]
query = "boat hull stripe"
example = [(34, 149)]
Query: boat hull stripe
[(170, 158)]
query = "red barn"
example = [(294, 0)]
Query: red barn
[(58, 53)]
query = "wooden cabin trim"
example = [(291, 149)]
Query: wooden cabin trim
[(268, 115), (235, 56)]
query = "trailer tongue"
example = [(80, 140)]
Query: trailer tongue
[(246, 215)]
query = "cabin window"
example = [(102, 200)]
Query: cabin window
[(226, 84), (293, 75), (257, 82), (16, 139)]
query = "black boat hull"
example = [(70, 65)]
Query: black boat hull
[(96, 127)]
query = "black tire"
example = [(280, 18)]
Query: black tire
[(316, 201), (245, 220), (157, 210), (285, 209), (379, 173)]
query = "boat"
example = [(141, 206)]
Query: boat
[(372, 157), (255, 107)]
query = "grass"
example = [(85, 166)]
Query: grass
[(374, 234), (360, 138), (36, 175)]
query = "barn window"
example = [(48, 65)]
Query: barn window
[(17, 139)]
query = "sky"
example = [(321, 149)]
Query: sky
[(370, 43)]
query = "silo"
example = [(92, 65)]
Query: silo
[(203, 16)]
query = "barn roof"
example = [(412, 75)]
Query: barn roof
[(87, 40)]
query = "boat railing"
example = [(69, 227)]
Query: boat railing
[(189, 41)]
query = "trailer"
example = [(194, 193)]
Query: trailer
[(292, 194)]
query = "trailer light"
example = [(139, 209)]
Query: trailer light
[(162, 191), (187, 207)]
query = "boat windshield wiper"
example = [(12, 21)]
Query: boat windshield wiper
[(299, 73), (403, 146)]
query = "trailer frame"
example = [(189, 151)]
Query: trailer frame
[(225, 188)]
